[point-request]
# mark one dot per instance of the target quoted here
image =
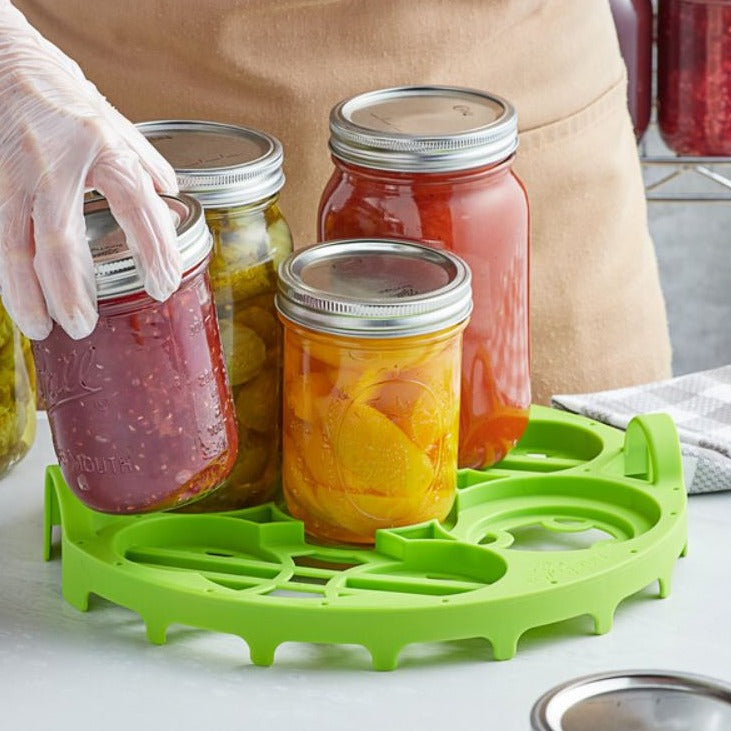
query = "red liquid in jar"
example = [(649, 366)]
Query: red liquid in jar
[(694, 76), (140, 411), (481, 215)]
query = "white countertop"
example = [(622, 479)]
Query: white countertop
[(64, 669)]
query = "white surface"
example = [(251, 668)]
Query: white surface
[(64, 669)]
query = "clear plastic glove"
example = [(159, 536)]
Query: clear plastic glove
[(58, 136)]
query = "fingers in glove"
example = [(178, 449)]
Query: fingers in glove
[(21, 291), (159, 169), (63, 261), (144, 217)]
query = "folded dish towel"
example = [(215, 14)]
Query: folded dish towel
[(700, 405)]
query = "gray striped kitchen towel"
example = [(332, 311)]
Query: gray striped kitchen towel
[(700, 405)]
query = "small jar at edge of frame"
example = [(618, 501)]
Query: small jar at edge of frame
[(372, 348), (434, 165), (236, 175), (17, 394)]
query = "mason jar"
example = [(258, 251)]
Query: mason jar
[(694, 76), (372, 350), (140, 410), (17, 394), (236, 174), (434, 164), (633, 21)]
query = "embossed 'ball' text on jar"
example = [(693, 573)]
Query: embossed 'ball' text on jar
[(236, 174), (140, 411), (372, 349), (434, 165)]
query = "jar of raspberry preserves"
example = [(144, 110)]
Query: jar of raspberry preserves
[(434, 165), (694, 76), (140, 411)]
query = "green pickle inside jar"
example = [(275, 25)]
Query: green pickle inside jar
[(17, 394), (248, 244)]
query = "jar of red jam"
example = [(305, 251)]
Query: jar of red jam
[(433, 164), (694, 76), (633, 21), (140, 410), (236, 174), (372, 347)]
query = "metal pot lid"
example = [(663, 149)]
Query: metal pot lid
[(635, 700), (374, 288), (114, 265), (220, 164), (424, 129)]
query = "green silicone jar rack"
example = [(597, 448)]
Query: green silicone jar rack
[(576, 518)]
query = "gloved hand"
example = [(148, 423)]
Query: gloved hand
[(58, 136)]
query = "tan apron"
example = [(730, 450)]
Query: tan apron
[(598, 316)]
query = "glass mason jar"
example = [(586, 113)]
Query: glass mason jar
[(372, 342), (17, 394), (433, 164), (694, 76), (140, 410), (633, 20), (236, 175)]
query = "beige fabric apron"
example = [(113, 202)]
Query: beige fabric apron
[(598, 317)]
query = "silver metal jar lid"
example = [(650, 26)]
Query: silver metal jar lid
[(649, 700), (374, 288), (220, 164), (423, 129), (116, 272)]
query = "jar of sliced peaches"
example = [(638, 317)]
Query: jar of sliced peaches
[(372, 354)]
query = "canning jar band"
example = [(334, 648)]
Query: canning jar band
[(115, 268), (399, 314), (254, 159), (489, 141)]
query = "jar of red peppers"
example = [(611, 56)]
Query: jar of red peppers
[(140, 410), (235, 173), (694, 76), (372, 342), (433, 164)]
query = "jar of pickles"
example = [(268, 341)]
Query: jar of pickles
[(433, 164), (140, 410), (372, 348), (694, 76), (236, 175), (17, 394)]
